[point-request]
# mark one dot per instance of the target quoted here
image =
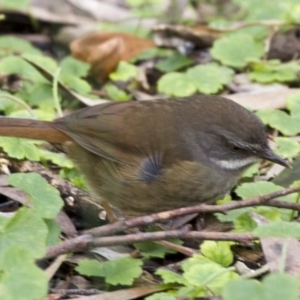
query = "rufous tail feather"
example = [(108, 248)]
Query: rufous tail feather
[(31, 129)]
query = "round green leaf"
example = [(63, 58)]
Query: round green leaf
[(20, 277), (125, 71), (176, 84), (45, 198), (210, 78), (278, 229), (237, 50), (211, 276), (287, 147), (237, 290), (25, 229)]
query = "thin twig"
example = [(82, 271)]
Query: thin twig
[(171, 234), (88, 239), (52, 269), (178, 248), (163, 216), (283, 204), (77, 244)]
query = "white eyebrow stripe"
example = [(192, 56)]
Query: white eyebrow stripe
[(235, 164)]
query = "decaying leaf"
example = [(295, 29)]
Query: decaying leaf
[(104, 50), (281, 253)]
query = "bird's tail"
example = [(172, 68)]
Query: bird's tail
[(31, 129)]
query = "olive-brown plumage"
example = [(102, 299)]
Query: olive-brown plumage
[(150, 156)]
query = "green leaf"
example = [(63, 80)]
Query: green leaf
[(274, 71), (20, 148), (295, 183), (175, 62), (292, 12), (161, 296), (278, 229), (16, 65), (75, 83), (265, 115), (135, 2), (4, 219), (147, 11), (116, 94), (237, 50), (25, 229), (259, 188), (6, 104), (125, 71), (209, 276), (48, 63), (210, 78), (261, 9), (57, 158), (11, 44), (39, 113), (270, 213), (280, 286), (74, 67), (251, 171), (238, 288), (281, 121), (293, 105), (74, 176), (44, 197), (218, 252), (54, 231), (120, 271), (170, 276), (176, 84), (150, 249), (152, 53), (244, 223), (274, 286), (41, 95), (20, 277), (225, 200), (232, 215), (287, 147), (196, 259)]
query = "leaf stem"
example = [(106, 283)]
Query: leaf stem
[(55, 92), (21, 102)]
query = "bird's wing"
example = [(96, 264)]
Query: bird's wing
[(116, 131)]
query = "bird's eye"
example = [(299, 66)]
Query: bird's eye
[(234, 148)]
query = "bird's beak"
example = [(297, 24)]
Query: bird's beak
[(268, 154)]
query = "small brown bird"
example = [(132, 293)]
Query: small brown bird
[(150, 156)]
